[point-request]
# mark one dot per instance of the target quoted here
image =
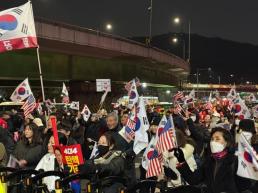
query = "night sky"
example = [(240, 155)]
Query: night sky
[(229, 19)]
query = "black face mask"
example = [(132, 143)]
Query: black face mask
[(102, 149), (152, 133)]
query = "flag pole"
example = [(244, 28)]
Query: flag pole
[(100, 106), (40, 72), (174, 130), (40, 75)]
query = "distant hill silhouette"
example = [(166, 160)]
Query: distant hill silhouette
[(225, 57)]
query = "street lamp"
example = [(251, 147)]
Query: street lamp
[(175, 40), (177, 21), (109, 27)]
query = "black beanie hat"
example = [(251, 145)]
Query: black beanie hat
[(155, 120), (247, 125)]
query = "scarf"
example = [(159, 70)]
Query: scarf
[(220, 155)]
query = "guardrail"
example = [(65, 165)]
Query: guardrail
[(83, 36)]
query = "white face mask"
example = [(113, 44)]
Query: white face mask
[(247, 135), (216, 147), (237, 122), (193, 118)]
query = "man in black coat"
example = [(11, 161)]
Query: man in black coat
[(124, 146)]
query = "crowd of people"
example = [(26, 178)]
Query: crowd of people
[(205, 156)]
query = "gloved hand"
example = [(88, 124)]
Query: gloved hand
[(170, 173), (129, 155), (179, 155), (88, 167)]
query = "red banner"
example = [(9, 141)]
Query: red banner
[(19, 43), (72, 157), (54, 130)]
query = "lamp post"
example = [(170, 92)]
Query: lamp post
[(197, 78), (175, 41), (150, 22), (232, 78), (177, 21)]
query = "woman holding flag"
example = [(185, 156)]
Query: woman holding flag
[(172, 174), (218, 172)]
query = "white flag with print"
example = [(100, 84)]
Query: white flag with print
[(247, 160), (240, 108), (75, 105), (133, 95), (141, 127), (232, 94), (17, 28), (21, 92), (86, 113), (145, 160), (64, 90)]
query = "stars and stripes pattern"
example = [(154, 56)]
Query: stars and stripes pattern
[(166, 137), (178, 96), (130, 129), (155, 163), (129, 84), (179, 108), (29, 105)]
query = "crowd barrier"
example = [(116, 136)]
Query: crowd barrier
[(30, 181), (12, 180)]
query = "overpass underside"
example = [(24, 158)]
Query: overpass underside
[(65, 67)]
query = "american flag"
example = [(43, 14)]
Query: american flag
[(39, 108), (155, 163), (178, 95), (209, 105), (128, 84), (130, 129), (29, 105), (179, 108), (166, 137)]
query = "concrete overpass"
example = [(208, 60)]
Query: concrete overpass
[(80, 55), (77, 41)]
